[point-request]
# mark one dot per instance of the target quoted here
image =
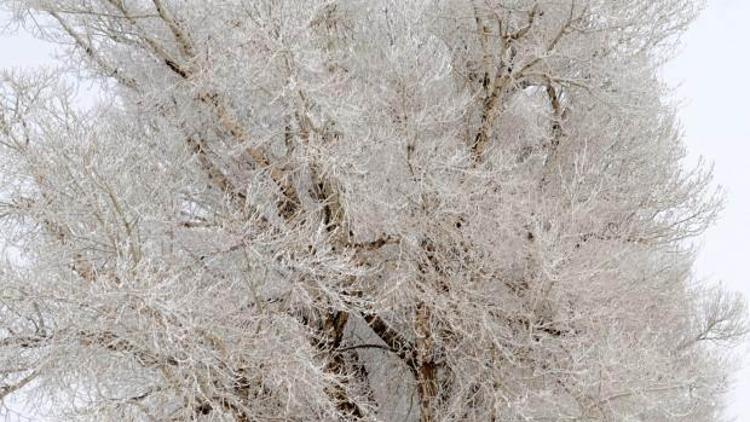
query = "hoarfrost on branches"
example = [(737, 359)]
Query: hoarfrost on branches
[(357, 210)]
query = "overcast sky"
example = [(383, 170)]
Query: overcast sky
[(712, 70)]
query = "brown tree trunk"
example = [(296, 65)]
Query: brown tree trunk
[(426, 368)]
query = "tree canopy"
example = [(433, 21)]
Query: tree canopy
[(374, 210)]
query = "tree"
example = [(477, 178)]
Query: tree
[(357, 210)]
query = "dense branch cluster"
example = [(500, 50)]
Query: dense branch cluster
[(357, 210)]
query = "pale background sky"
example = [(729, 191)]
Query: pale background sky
[(712, 72)]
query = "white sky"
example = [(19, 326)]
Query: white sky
[(712, 70)]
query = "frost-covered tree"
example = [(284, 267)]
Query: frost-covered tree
[(423, 210)]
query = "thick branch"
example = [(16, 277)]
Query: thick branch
[(8, 389), (401, 346), (183, 41)]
